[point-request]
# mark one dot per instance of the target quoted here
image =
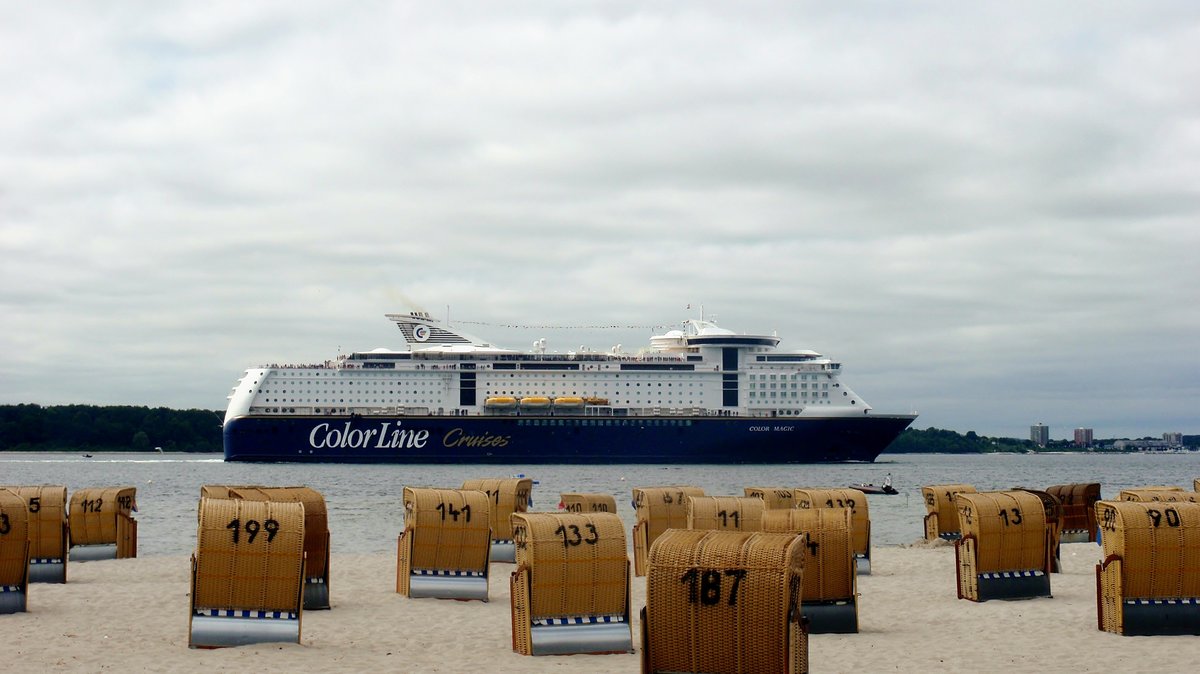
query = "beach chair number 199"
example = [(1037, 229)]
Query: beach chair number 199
[(252, 528)]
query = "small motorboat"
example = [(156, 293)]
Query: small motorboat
[(868, 488)]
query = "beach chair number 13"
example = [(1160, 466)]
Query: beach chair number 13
[(252, 528)]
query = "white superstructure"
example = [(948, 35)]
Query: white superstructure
[(699, 369)]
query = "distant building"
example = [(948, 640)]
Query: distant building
[(1173, 438), (1039, 434), (1083, 437)]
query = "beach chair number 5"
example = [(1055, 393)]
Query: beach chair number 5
[(35, 504), (252, 528), (704, 586), (577, 538), (5, 525)]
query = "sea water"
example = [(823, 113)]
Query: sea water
[(366, 511)]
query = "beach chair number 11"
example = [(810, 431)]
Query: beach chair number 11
[(252, 528)]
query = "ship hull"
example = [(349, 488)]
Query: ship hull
[(519, 440)]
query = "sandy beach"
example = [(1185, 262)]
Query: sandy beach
[(132, 615)]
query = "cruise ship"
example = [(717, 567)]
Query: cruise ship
[(698, 394)]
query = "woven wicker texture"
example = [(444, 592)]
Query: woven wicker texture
[(776, 498), (829, 567), (449, 528), (316, 519), (1158, 544), (505, 497), (14, 539), (854, 500), (939, 502), (47, 508), (725, 513), (1009, 528), (249, 555), (1164, 494), (662, 508), (588, 503), (94, 513), (577, 563), (1078, 504), (721, 601)]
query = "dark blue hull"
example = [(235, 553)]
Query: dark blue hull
[(560, 440)]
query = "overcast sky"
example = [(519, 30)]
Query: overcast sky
[(988, 212)]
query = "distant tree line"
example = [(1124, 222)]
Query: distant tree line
[(108, 428), (129, 428), (940, 441)]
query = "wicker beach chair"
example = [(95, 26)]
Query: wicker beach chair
[(570, 591), (247, 573), (316, 531), (860, 516), (505, 497), (1149, 580), (1054, 523), (1078, 510), (725, 513), (1004, 552), (775, 498), (657, 509), (14, 553), (724, 601), (1159, 494), (49, 537), (443, 550), (102, 524), (941, 519), (829, 594), (587, 503)]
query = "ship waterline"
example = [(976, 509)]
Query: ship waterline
[(700, 395)]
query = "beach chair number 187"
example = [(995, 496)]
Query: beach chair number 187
[(252, 528)]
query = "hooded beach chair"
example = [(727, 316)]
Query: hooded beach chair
[(505, 497), (1149, 580), (14, 553), (570, 592), (316, 531), (725, 513), (443, 550), (775, 498), (724, 601), (860, 516), (941, 518), (829, 594), (102, 524), (657, 509), (247, 573), (587, 503), (1078, 502), (48, 534), (1005, 548)]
